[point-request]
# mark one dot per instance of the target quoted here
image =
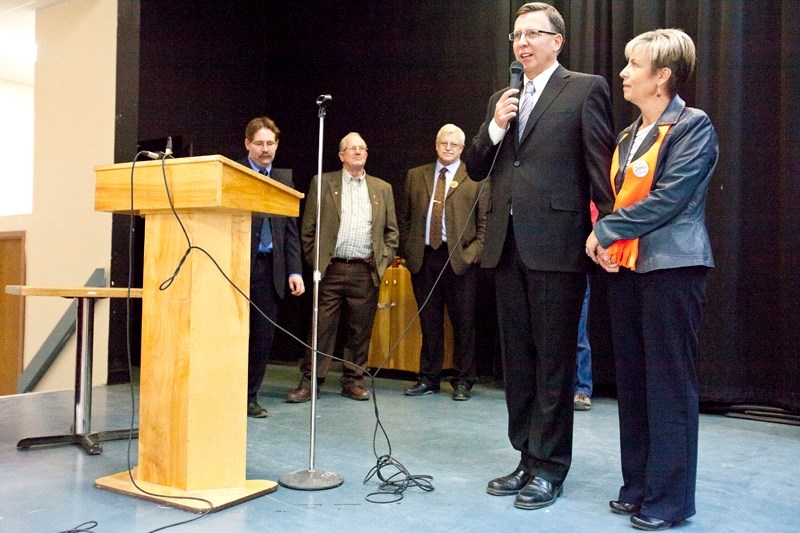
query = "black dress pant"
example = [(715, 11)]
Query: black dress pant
[(262, 331), (655, 322), (538, 314), (458, 293)]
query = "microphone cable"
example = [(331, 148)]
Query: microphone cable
[(210, 508), (399, 479)]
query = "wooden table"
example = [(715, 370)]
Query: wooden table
[(81, 433)]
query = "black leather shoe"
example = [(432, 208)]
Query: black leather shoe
[(649, 523), (461, 392), (508, 485), (537, 493), (421, 389), (256, 411), (624, 507)]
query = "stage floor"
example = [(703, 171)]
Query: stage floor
[(748, 475)]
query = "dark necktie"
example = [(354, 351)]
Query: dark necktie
[(525, 108), (437, 210), (265, 245)]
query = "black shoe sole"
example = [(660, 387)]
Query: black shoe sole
[(429, 391), (619, 510), (538, 505), (499, 492)]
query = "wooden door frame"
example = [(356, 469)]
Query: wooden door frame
[(20, 237)]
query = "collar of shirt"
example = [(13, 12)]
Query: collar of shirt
[(350, 178), (451, 170), (541, 80), (257, 168)]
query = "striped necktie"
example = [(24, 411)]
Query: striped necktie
[(525, 108)]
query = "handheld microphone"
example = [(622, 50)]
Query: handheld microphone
[(151, 155), (168, 149), (515, 70)]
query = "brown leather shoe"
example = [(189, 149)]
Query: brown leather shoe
[(298, 395), (355, 392)]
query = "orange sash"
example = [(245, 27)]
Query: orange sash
[(635, 186)]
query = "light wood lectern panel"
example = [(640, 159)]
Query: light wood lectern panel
[(193, 385)]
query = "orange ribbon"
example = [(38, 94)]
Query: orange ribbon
[(636, 185)]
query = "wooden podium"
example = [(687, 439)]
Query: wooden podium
[(193, 385)]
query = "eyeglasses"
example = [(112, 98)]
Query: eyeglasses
[(355, 149), (444, 144), (262, 144), (529, 34)]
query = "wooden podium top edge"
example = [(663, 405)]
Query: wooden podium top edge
[(203, 159), (74, 292)]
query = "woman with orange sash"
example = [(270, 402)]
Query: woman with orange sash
[(656, 248)]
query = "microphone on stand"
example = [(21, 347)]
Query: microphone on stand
[(322, 101)]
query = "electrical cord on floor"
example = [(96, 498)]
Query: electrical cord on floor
[(394, 478), (398, 479), (86, 527)]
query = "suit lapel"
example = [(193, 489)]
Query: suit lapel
[(373, 198), (554, 86), (461, 175), (428, 175), (335, 186)]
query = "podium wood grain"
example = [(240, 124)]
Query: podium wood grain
[(193, 383)]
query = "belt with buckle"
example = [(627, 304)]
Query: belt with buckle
[(351, 260)]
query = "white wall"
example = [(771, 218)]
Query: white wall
[(74, 109), (16, 138)]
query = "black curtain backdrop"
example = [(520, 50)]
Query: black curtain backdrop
[(399, 70)]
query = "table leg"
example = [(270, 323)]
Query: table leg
[(82, 417)]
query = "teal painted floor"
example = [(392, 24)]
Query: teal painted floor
[(748, 479)]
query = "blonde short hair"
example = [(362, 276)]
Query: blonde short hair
[(668, 48)]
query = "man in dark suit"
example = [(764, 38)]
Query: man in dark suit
[(440, 202), (551, 157), (274, 259), (357, 242)]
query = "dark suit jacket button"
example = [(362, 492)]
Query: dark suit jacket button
[(516, 163)]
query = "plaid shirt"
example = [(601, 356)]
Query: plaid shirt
[(354, 240)]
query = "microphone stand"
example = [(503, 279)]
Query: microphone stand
[(312, 479)]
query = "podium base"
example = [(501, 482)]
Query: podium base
[(173, 497), (310, 480)]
